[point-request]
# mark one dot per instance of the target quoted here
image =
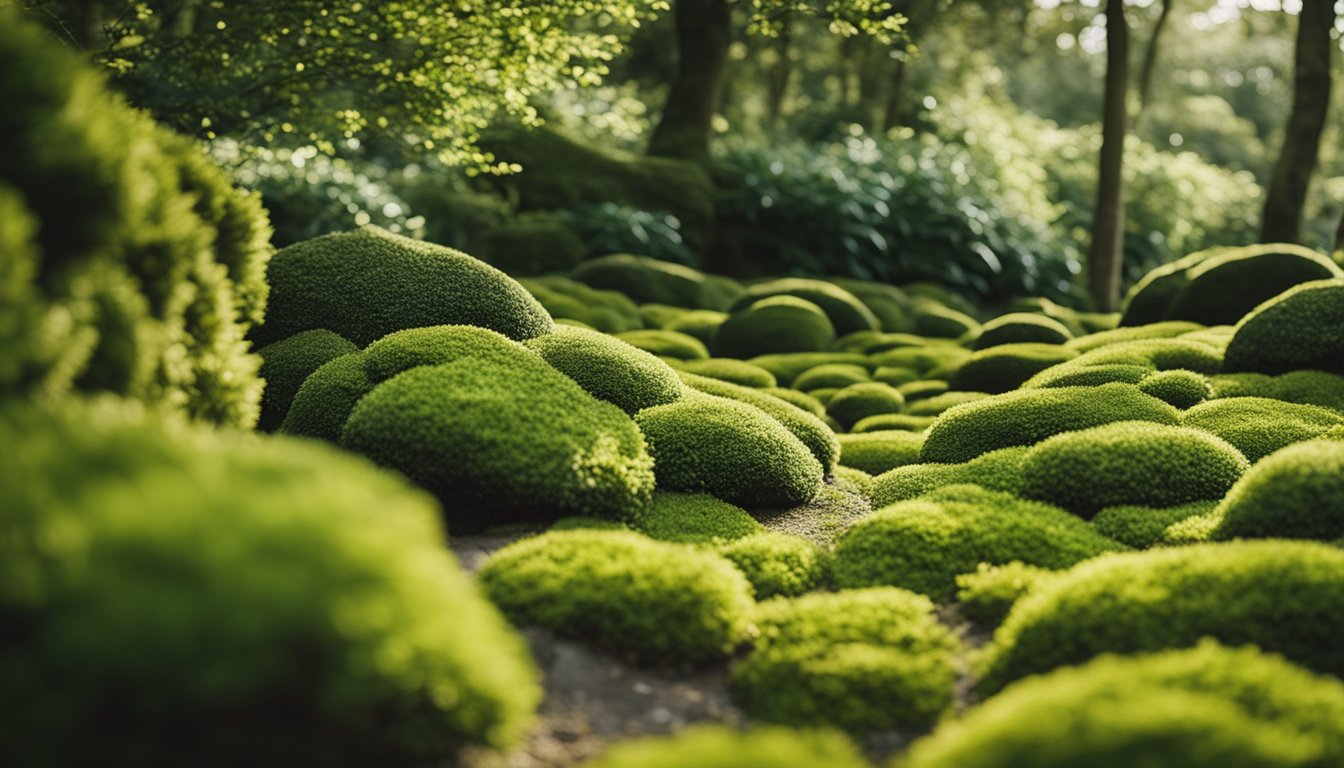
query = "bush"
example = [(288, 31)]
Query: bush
[(861, 660), (831, 375), (846, 313), (1178, 388), (1141, 527), (1302, 327), (923, 544), (1305, 387), (649, 281), (1005, 367), (207, 578), (810, 430), (609, 369), (326, 398), (1028, 416), (1021, 328), (1259, 426), (286, 363), (1294, 493), (713, 746), (730, 450), (1204, 707), (999, 470), (613, 228), (646, 597), (787, 366), (694, 518), (987, 594), (878, 452), (369, 283), (677, 346), (531, 243), (858, 401), (731, 371), (1130, 462), (774, 325), (1285, 597), (606, 311), (777, 564)]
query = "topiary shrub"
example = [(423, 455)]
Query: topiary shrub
[(731, 371), (831, 375), (923, 544), (1140, 526), (565, 299), (1302, 327), (1005, 367), (1028, 416), (1181, 389), (1021, 328), (846, 313), (714, 746), (286, 363), (1223, 287), (1305, 387), (935, 405), (216, 591), (649, 281), (326, 398), (987, 594), (1259, 426), (859, 401), (999, 470), (609, 369), (368, 283), (1205, 707), (775, 325), (694, 518), (671, 344), (777, 564), (1263, 592), (1130, 462), (1294, 493), (878, 452), (860, 660), (787, 366), (890, 421), (649, 598), (810, 430), (730, 450)]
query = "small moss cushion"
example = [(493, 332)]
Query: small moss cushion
[(286, 363), (609, 369), (1294, 493), (1300, 328), (715, 746), (1259, 426), (774, 325), (1022, 328)]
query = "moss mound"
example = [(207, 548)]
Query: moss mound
[(700, 323), (831, 375), (777, 564), (921, 390), (935, 405), (923, 544), (1285, 597), (1140, 526), (1180, 389), (1130, 462), (1305, 387), (934, 361), (940, 322), (810, 430), (606, 311), (878, 452), (649, 281), (1089, 375), (712, 746), (206, 578), (286, 363), (799, 399), (999, 470), (1259, 426), (890, 421), (436, 345), (1028, 416), (368, 283), (787, 366), (732, 371), (609, 369), (646, 597), (1156, 330), (678, 346), (987, 594), (860, 660), (774, 325), (730, 450), (1294, 493), (1222, 288), (1004, 367), (1300, 328), (859, 401), (1021, 328), (326, 398), (1205, 707), (694, 518), (847, 314)]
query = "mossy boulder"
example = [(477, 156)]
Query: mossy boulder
[(1259, 426), (1021, 328), (859, 401), (1294, 493), (1004, 367), (1300, 328), (650, 281), (937, 404), (609, 369), (846, 313), (774, 325), (787, 366), (778, 564), (731, 371), (678, 346), (880, 451), (714, 746), (889, 421), (1181, 389), (804, 425), (700, 323), (1168, 329), (999, 470), (940, 322), (694, 518), (287, 363)]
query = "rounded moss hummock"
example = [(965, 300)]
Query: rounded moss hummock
[(859, 401), (731, 371), (807, 427), (1286, 597), (1259, 426), (715, 746), (730, 450), (694, 518), (1300, 328), (609, 369), (999, 470), (606, 311), (1179, 388), (671, 344), (646, 280), (171, 579), (1294, 493), (934, 406), (700, 323), (1141, 526), (923, 544), (775, 325), (1130, 462), (799, 399), (1305, 387), (987, 594), (777, 564), (368, 283), (1004, 367), (846, 313), (828, 375), (1223, 287), (618, 588), (786, 366), (1021, 328), (327, 397), (286, 363), (890, 421), (880, 451), (435, 345), (1089, 375), (937, 321), (1205, 707)]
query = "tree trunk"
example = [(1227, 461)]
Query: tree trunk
[(1150, 60), (1105, 257), (1339, 239), (779, 75), (891, 116), (704, 32), (1287, 190)]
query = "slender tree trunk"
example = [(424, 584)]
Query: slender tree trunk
[(1288, 182), (1150, 60), (779, 75), (1339, 238), (704, 32), (891, 115), (1105, 258)]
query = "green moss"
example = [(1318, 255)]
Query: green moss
[(609, 369), (1130, 462), (1181, 389), (1021, 328), (666, 344), (853, 480), (872, 342), (606, 311), (924, 543), (531, 243), (860, 660), (368, 283), (859, 401), (878, 452), (887, 421), (326, 398), (648, 281), (1153, 354), (1259, 426), (1141, 526), (1005, 367), (895, 375), (810, 430), (700, 323), (921, 390), (1206, 707), (713, 746), (1222, 288), (276, 585), (774, 325), (987, 594), (889, 304), (1069, 318), (824, 396), (924, 360), (732, 371), (1089, 375), (650, 598), (1294, 493), (786, 367), (694, 518), (934, 406), (1305, 387), (435, 345), (799, 399), (940, 322), (730, 450), (777, 564), (1028, 416), (660, 315), (1300, 328), (1155, 330), (1285, 597), (999, 470), (831, 376), (286, 363), (1148, 299), (847, 314)]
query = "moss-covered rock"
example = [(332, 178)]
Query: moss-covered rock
[(847, 314), (914, 391), (1179, 388), (987, 594), (731, 371), (619, 588), (1130, 462), (286, 363), (1300, 328), (774, 325), (1294, 493), (1141, 526), (1147, 301), (326, 398), (436, 345), (649, 281), (798, 399), (566, 299), (671, 344), (859, 401), (694, 518), (1259, 426), (1021, 328), (713, 746), (808, 428), (831, 375), (1152, 354), (999, 470), (703, 324), (1004, 367), (609, 369), (777, 564), (1223, 287), (934, 361), (881, 451), (922, 544), (1305, 387), (787, 366)]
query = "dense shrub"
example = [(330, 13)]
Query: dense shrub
[(326, 398), (694, 518), (730, 450), (1259, 426), (777, 564), (712, 746), (999, 470), (1005, 367), (844, 310), (1285, 597), (1302, 327), (1295, 493), (831, 375), (1130, 462), (804, 425), (732, 371), (677, 346), (649, 281), (216, 591), (1140, 526), (774, 325), (1178, 388), (286, 363), (859, 401), (609, 227), (1028, 416), (1021, 328), (924, 543), (987, 594), (606, 311), (1306, 387), (619, 588), (880, 451), (609, 369)]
